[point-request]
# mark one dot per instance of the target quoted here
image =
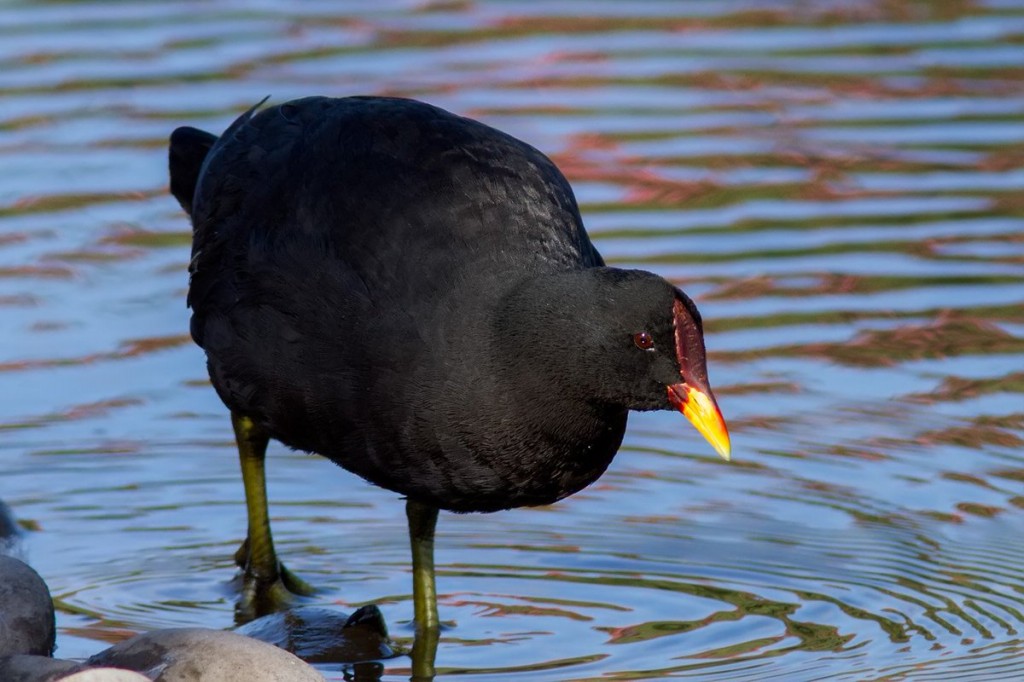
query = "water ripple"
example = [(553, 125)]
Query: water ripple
[(838, 184)]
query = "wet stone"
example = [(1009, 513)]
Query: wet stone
[(26, 611), (27, 668), (202, 655), (321, 635), (24, 668)]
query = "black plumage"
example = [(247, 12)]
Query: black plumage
[(412, 294)]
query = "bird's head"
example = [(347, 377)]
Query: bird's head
[(627, 338)]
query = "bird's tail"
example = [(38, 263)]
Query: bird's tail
[(188, 149)]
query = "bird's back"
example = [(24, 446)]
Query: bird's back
[(393, 188)]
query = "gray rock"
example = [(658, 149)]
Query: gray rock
[(25, 668), (26, 611), (202, 655)]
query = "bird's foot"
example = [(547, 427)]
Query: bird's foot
[(291, 581), (266, 590), (260, 597)]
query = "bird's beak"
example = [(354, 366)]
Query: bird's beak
[(702, 411), (693, 396)]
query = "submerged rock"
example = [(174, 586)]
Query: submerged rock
[(8, 526), (321, 635), (202, 655), (10, 533), (26, 611)]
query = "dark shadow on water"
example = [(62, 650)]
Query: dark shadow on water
[(322, 635), (355, 644)]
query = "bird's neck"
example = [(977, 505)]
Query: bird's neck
[(537, 350)]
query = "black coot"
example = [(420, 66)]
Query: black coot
[(412, 295)]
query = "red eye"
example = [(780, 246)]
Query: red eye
[(643, 341)]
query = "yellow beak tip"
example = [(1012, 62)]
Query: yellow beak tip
[(725, 451), (704, 414), (717, 437)]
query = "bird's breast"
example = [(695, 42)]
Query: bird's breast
[(482, 470)]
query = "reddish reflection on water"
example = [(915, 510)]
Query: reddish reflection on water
[(839, 184)]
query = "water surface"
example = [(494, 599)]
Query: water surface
[(839, 186)]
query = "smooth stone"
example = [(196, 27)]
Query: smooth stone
[(203, 655), (105, 675), (26, 611), (321, 635)]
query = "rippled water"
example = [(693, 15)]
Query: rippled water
[(839, 184)]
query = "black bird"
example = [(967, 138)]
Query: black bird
[(412, 295)]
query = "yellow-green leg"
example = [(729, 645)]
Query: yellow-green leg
[(422, 521), (267, 586), (424, 653)]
